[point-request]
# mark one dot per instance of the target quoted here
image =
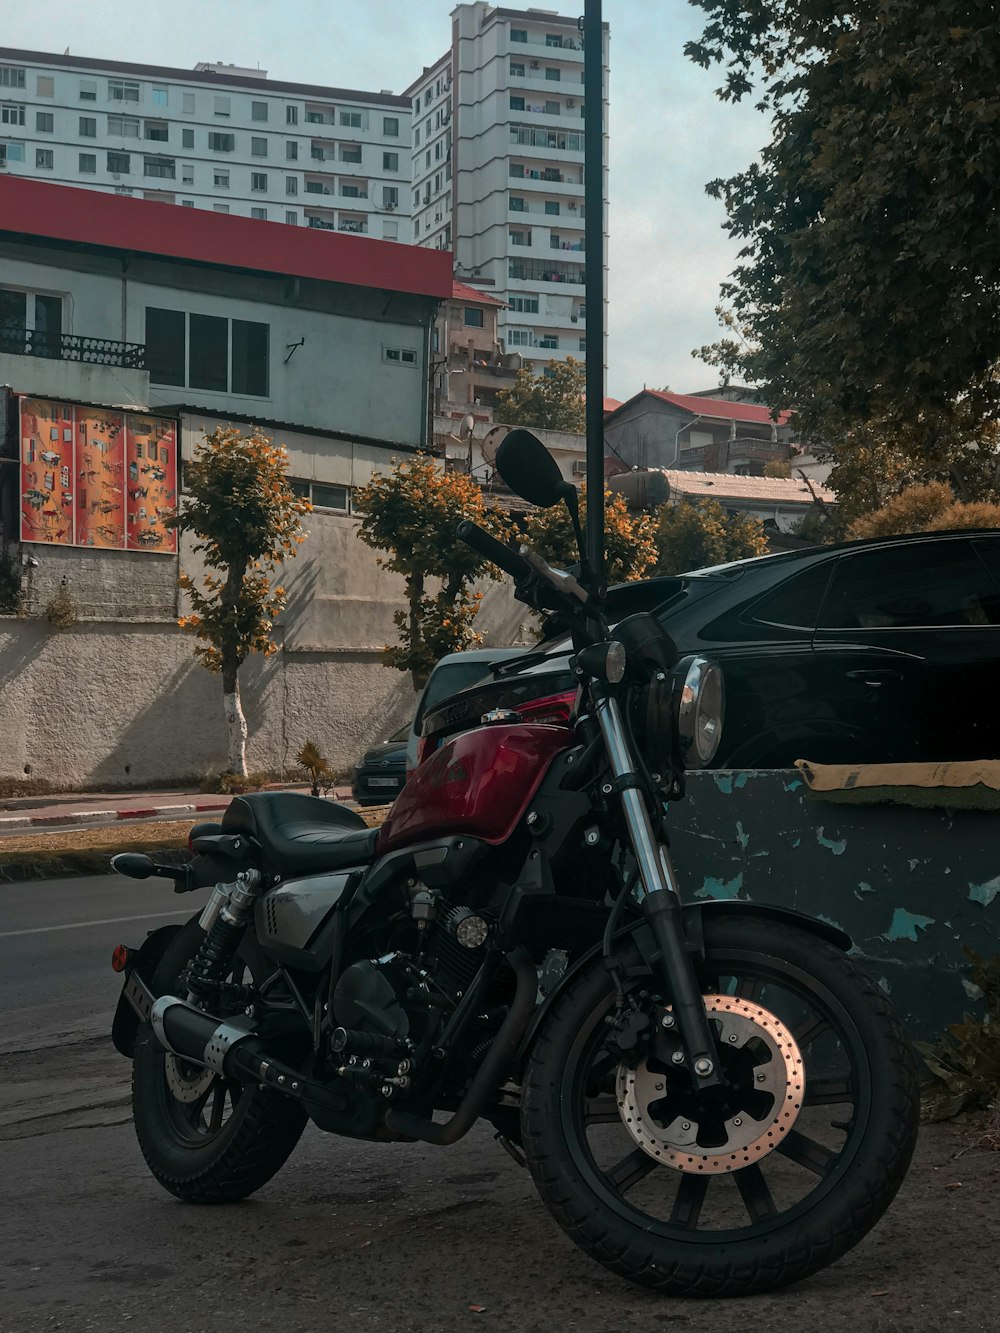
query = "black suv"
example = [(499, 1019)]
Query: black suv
[(877, 651)]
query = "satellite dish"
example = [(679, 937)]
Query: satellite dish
[(467, 427), (492, 440)]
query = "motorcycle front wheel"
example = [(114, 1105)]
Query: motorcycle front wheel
[(740, 1194)]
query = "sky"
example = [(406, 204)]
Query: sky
[(669, 135)]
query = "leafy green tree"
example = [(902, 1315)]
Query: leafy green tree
[(928, 508), (411, 512), (778, 467), (551, 400), (867, 286), (628, 538), (246, 521), (692, 535)]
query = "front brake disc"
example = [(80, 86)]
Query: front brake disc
[(771, 1080)]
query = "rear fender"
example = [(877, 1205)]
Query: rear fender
[(694, 918), (145, 961)]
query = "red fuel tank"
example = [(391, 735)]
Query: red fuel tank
[(479, 783)]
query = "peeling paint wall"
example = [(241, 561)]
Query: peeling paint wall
[(910, 886)]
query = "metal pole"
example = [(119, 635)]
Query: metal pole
[(593, 157)]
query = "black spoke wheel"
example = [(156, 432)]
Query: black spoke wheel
[(750, 1190), (204, 1137)]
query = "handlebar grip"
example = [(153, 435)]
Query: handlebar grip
[(493, 550)]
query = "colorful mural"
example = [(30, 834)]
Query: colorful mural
[(95, 477)]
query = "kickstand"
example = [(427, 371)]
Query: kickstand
[(511, 1148)]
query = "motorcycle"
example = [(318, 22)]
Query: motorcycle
[(713, 1097)]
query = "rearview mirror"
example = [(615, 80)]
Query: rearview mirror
[(530, 470)]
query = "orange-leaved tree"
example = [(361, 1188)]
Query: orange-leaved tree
[(246, 520)]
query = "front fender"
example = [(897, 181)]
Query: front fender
[(145, 961), (694, 916)]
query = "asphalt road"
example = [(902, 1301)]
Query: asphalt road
[(398, 1238)]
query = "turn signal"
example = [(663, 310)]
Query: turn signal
[(119, 959)]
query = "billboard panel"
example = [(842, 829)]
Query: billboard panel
[(152, 483), (100, 478), (47, 470)]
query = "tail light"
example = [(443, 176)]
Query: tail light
[(554, 709)]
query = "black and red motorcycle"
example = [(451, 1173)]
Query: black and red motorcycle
[(713, 1097)]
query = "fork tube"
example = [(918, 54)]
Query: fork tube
[(660, 901)]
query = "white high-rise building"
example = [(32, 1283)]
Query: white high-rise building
[(498, 176), (216, 137)]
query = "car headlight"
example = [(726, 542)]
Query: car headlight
[(700, 707)]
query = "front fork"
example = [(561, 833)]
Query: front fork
[(660, 901)]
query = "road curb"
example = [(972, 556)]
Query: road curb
[(110, 816)]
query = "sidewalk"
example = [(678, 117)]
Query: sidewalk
[(24, 813)]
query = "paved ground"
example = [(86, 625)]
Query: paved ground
[(403, 1239)]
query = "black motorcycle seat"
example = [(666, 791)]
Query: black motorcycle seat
[(299, 834)]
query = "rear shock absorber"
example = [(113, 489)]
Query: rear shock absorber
[(224, 920)]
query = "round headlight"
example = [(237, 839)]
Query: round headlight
[(701, 708), (614, 665)]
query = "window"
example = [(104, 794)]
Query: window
[(351, 119), (548, 340), (518, 34), (427, 96), (519, 337), (187, 173), (553, 39), (187, 203), (250, 356), (88, 90), (314, 118), (399, 356), (553, 108), (552, 207), (220, 179), (187, 100), (438, 151), (416, 228), (292, 151), (127, 127), (258, 147), (157, 130), (292, 218), (291, 185), (516, 103), (222, 106), (416, 137), (122, 90), (291, 115), (390, 126), (473, 318), (390, 196), (330, 497), (350, 152), (187, 138), (796, 601), (259, 213), (11, 114), (517, 170), (11, 151), (933, 583), (520, 238), (118, 163), (43, 158), (88, 163), (518, 204), (220, 208), (390, 231), (352, 191), (11, 76), (516, 70), (427, 158), (160, 96), (258, 181), (45, 85), (207, 351), (221, 143), (165, 341), (527, 304), (159, 166), (583, 344), (553, 75), (258, 111), (88, 127), (390, 161)]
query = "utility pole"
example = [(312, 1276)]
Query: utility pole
[(593, 159)]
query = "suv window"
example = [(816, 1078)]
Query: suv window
[(910, 585), (795, 602)]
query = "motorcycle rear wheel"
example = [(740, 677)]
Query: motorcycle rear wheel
[(661, 1211), (205, 1139)]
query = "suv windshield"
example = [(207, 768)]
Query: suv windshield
[(451, 677)]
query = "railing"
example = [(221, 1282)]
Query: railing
[(72, 347)]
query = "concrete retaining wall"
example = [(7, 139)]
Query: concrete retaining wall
[(910, 886)]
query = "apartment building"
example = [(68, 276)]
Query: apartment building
[(217, 137), (498, 170)]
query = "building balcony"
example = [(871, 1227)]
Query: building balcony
[(72, 347), (567, 48), (550, 180), (74, 367)]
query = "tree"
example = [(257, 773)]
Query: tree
[(778, 467), (411, 512), (929, 508), (693, 535), (870, 268), (628, 538), (551, 400), (246, 521)]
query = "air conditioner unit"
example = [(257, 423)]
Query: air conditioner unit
[(115, 176), (575, 319), (571, 101), (579, 467), (572, 207), (535, 65)]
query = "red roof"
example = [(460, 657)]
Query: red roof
[(611, 405), (460, 291), (140, 226), (716, 407)]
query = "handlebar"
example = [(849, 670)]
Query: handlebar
[(494, 551)]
